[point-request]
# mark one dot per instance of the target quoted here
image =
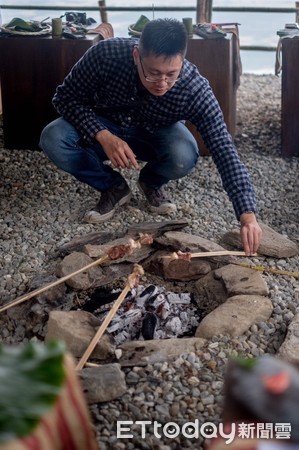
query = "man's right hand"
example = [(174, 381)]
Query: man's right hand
[(117, 150)]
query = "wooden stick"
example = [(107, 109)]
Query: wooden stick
[(115, 252), (88, 364), (220, 253), (130, 283), (38, 291), (208, 254), (184, 255), (270, 270)]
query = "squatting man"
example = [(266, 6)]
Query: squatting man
[(126, 101)]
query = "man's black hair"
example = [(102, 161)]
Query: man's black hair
[(167, 37)]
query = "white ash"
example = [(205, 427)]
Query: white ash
[(152, 312)]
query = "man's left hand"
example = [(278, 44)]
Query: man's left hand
[(250, 232)]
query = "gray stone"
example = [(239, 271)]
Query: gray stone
[(103, 383), (235, 316), (178, 240), (18, 312), (76, 261), (289, 350), (176, 269), (186, 270), (240, 280), (272, 243), (132, 378), (212, 289), (76, 329), (50, 295), (163, 410), (159, 350)]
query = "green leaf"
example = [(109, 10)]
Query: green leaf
[(141, 22), (246, 363), (21, 25), (31, 377)]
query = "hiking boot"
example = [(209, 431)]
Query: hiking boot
[(109, 201), (157, 198)]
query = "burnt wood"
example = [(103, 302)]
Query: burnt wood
[(157, 228), (78, 243)]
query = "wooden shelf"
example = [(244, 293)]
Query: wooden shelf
[(290, 97), (217, 60), (31, 68)]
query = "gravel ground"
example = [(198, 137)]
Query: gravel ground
[(42, 208)]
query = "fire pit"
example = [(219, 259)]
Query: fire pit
[(148, 312)]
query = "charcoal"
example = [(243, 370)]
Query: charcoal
[(149, 324)]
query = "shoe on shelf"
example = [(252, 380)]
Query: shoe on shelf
[(108, 203), (157, 198)]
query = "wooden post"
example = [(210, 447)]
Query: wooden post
[(204, 11), (103, 12), (209, 10), (297, 12)]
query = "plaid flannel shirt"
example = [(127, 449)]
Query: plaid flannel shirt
[(105, 82)]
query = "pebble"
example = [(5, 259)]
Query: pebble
[(132, 378), (42, 208), (194, 381)]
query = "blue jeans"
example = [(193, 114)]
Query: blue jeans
[(171, 153)]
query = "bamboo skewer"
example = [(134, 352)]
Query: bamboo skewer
[(208, 254), (132, 279), (187, 256), (270, 270), (91, 365), (42, 289), (115, 252)]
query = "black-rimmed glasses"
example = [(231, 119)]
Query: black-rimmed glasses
[(153, 79)]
